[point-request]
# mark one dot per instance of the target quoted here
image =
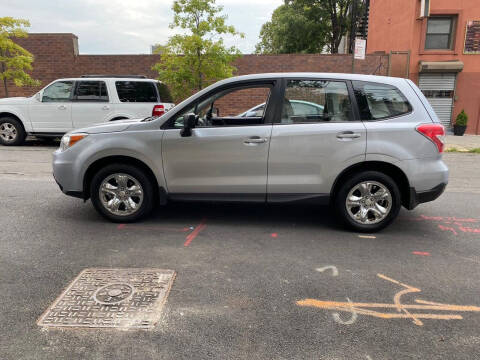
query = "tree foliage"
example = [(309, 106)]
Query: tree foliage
[(14, 60), (305, 26), (198, 56)]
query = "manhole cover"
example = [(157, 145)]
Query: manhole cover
[(111, 298)]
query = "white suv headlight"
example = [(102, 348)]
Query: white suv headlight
[(71, 139)]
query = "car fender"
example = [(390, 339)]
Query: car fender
[(21, 112), (99, 147)]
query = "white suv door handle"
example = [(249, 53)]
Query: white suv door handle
[(255, 140), (106, 107), (62, 107), (348, 135)]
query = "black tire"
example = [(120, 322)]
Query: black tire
[(146, 183), (19, 135), (351, 183)]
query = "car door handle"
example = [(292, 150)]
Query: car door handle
[(62, 107), (106, 107), (255, 140), (348, 135)]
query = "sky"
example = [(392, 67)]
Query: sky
[(130, 26)]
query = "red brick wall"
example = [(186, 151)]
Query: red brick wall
[(56, 57)]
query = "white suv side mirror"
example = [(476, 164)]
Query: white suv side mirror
[(38, 96)]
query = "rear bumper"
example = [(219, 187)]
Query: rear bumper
[(425, 196)]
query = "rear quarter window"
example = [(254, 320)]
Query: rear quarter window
[(379, 101), (136, 91)]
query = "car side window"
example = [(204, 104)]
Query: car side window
[(136, 91), (311, 101), (239, 106), (379, 101), (91, 91), (59, 91)]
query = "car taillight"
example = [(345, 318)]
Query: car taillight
[(434, 132), (158, 110)]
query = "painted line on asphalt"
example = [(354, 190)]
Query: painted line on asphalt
[(367, 236), (421, 253), (190, 237), (142, 227)]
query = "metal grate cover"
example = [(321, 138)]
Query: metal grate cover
[(111, 298)]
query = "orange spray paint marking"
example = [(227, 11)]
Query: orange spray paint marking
[(403, 311)]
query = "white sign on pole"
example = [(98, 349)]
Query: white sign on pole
[(360, 47)]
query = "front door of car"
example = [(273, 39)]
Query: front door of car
[(53, 112), (315, 138), (225, 157)]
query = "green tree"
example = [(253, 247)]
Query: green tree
[(308, 26), (14, 60), (291, 31), (197, 57)]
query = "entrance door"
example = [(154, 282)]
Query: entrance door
[(439, 90)]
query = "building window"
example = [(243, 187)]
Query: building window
[(440, 31)]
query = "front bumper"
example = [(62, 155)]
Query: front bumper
[(425, 196)]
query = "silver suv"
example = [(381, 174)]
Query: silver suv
[(375, 145)]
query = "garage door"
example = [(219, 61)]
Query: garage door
[(439, 90)]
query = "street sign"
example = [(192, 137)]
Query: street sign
[(360, 47)]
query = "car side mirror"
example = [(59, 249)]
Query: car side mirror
[(38, 96), (189, 122)]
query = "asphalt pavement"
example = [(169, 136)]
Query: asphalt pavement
[(255, 282)]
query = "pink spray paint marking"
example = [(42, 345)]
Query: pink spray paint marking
[(421, 253)]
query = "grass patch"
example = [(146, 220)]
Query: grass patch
[(456, 150)]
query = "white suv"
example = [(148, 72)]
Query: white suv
[(72, 103)]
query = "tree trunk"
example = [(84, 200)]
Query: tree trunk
[(4, 80)]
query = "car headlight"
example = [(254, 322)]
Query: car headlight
[(71, 139)]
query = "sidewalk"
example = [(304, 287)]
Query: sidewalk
[(462, 143)]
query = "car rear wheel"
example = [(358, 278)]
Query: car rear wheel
[(122, 193), (368, 201), (11, 131)]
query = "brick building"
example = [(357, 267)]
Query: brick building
[(436, 43), (57, 56)]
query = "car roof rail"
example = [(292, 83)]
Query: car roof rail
[(114, 76)]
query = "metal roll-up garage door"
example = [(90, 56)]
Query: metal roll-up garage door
[(439, 88)]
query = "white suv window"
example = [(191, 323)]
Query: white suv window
[(91, 91), (58, 91), (136, 91)]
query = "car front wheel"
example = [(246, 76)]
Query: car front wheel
[(11, 132), (122, 193), (368, 201)]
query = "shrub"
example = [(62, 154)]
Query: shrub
[(462, 118)]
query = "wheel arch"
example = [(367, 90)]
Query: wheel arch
[(10, 114), (389, 169), (121, 159)]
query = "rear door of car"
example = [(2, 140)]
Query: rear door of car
[(308, 150), (90, 103)]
